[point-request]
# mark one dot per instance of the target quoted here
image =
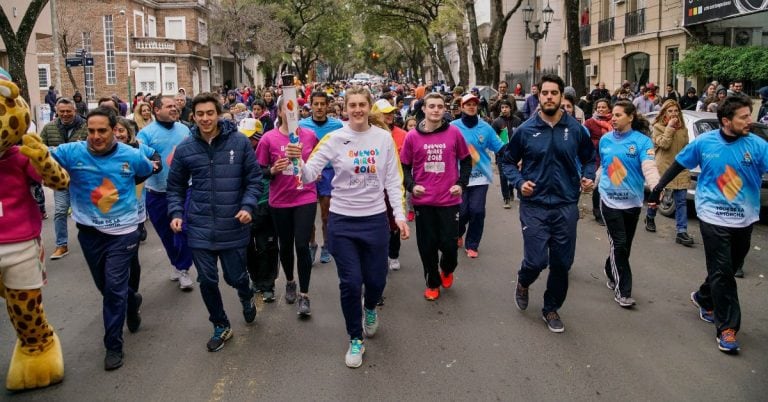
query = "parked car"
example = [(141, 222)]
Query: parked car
[(698, 123)]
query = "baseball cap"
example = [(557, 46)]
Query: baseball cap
[(382, 106), (251, 128), (469, 97)]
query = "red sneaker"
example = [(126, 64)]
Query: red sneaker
[(432, 294), (411, 216), (460, 242), (447, 280), (472, 253)]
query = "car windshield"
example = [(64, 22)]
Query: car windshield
[(702, 126)]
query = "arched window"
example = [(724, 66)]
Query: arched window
[(637, 67)]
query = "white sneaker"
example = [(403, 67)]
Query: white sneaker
[(185, 282), (354, 356), (175, 274), (394, 264)]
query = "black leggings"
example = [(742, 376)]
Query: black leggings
[(294, 227)]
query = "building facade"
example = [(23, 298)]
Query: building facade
[(37, 78), (149, 46)]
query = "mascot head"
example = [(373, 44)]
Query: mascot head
[(14, 113)]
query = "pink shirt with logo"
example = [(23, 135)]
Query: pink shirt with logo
[(19, 215), (282, 187), (434, 159)]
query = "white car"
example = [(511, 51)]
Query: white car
[(698, 123)]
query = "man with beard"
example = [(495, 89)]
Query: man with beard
[(727, 204), (558, 160)]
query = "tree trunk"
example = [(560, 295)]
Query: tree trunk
[(481, 72), (461, 43), (575, 57), (499, 23), (444, 65), (72, 78), (16, 43)]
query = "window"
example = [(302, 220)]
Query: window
[(205, 78), (151, 26), (175, 28), (673, 56), (637, 67), (90, 91), (109, 50), (169, 78), (147, 78), (202, 32), (138, 24), (44, 75)]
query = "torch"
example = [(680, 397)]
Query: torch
[(290, 107)]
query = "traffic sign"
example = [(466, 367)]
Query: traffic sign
[(75, 61), (89, 61)]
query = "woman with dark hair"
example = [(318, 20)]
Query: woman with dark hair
[(270, 103), (627, 162), (669, 137), (598, 125)]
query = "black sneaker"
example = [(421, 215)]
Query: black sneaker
[(684, 239), (507, 203), (133, 317), (220, 335), (739, 273), (304, 309), (521, 297), (650, 224), (113, 360), (142, 232), (553, 321), (249, 309), (290, 292)]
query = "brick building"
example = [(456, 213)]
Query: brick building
[(149, 46)]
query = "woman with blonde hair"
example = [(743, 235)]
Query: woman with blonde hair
[(365, 163), (142, 114), (670, 136)]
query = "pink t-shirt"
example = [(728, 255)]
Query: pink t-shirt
[(19, 215), (434, 159), (282, 188)]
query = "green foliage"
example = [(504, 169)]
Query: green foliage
[(725, 63)]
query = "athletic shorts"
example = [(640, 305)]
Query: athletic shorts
[(22, 265), (324, 186)]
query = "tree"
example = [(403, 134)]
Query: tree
[(725, 63), (488, 68), (575, 57), (70, 38), (16, 42)]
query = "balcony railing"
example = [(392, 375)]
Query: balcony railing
[(585, 34), (605, 30), (154, 44), (168, 46), (634, 22)]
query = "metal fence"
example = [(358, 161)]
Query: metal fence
[(605, 30), (634, 22)]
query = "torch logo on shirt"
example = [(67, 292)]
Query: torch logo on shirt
[(104, 196), (616, 171), (729, 183)]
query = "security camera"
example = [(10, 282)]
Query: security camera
[(122, 12)]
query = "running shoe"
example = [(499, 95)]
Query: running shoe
[(304, 310), (354, 356), (290, 292), (220, 335), (113, 360), (325, 255), (432, 294), (370, 323), (624, 301), (185, 281), (727, 342), (521, 297), (249, 309), (175, 274), (650, 224), (411, 216), (313, 253), (553, 321), (507, 203), (704, 314), (394, 264), (268, 295), (447, 280), (472, 253), (610, 284)]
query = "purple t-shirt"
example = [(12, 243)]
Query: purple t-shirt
[(282, 188), (434, 159)]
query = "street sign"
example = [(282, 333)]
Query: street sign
[(75, 62), (89, 61), (80, 52)]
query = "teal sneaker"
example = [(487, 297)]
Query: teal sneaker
[(325, 256), (371, 323), (220, 335), (354, 357)]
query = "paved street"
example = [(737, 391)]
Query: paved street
[(472, 344)]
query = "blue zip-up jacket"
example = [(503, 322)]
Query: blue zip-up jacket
[(555, 158), (225, 179)]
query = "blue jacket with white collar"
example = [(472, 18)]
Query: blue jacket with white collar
[(555, 158)]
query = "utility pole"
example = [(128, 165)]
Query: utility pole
[(55, 42)]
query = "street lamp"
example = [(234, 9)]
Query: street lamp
[(535, 35), (241, 51)]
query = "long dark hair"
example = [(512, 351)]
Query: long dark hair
[(639, 122)]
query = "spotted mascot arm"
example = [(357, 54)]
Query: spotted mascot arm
[(54, 176), (37, 359)]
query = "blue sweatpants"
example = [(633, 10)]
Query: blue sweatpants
[(233, 266), (109, 260), (175, 244), (359, 246), (549, 239), (472, 215)]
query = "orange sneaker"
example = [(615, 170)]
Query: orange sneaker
[(411, 216), (472, 253), (460, 243), (59, 252), (447, 280), (432, 294)]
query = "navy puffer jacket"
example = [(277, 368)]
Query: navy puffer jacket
[(225, 179)]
